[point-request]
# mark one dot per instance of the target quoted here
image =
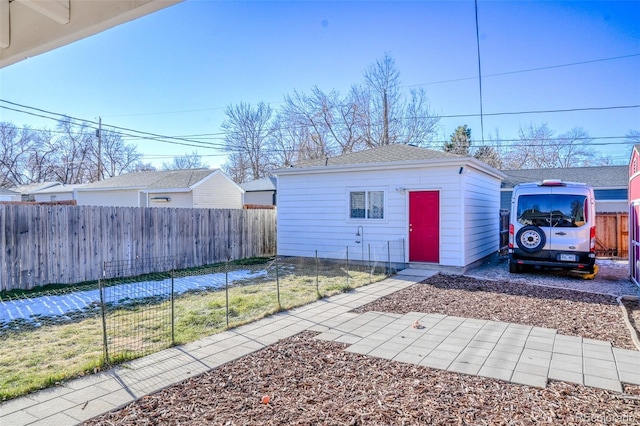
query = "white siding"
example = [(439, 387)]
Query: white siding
[(53, 196), (176, 199), (313, 212), (119, 197), (482, 215), (217, 192), (262, 198)]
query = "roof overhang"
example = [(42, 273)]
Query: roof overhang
[(31, 27)]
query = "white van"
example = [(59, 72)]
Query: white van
[(552, 224)]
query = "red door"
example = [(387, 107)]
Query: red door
[(424, 226)]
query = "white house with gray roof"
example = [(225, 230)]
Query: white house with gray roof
[(7, 195), (28, 191), (610, 184), (62, 192), (261, 192), (422, 207), (194, 188)]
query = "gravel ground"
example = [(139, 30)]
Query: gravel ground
[(612, 277), (308, 381)]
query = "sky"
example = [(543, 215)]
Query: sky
[(174, 71)]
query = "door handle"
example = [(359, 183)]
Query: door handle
[(561, 233)]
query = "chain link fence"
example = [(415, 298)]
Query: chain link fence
[(141, 307)]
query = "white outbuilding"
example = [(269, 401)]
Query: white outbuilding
[(397, 203)]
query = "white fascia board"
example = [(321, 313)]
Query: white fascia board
[(395, 165), (217, 172), (113, 188), (165, 190), (204, 179)]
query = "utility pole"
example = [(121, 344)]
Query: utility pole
[(99, 134)]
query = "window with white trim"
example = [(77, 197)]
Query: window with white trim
[(366, 205)]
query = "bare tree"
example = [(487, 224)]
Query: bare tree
[(382, 83), (237, 168), (184, 162), (73, 146), (283, 146), (327, 123), (391, 117), (574, 149), (15, 147), (633, 137), (117, 157), (419, 124), (248, 130), (538, 148)]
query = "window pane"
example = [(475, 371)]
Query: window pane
[(357, 205), (559, 210), (376, 205)]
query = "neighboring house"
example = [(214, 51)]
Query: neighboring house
[(194, 188), (7, 195), (57, 193), (633, 173), (610, 184), (260, 192), (28, 191), (442, 209)]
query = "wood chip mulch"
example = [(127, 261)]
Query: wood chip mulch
[(305, 381)]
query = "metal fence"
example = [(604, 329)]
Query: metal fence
[(144, 306)]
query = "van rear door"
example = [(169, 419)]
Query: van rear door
[(569, 224)]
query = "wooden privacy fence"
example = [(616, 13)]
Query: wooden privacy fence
[(612, 235), (43, 244)]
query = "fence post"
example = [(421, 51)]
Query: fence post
[(369, 262), (347, 266), (173, 313), (226, 289), (105, 340), (278, 283), (317, 277)]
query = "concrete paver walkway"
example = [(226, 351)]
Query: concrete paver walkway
[(511, 352), (517, 353)]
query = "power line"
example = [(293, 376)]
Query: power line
[(135, 135), (499, 74), (188, 138)]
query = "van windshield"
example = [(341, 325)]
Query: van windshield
[(561, 210)]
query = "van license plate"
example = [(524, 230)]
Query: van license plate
[(568, 257)]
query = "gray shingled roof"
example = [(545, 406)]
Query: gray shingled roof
[(61, 188), (381, 154), (264, 184), (34, 187), (598, 177), (166, 179), (4, 191)]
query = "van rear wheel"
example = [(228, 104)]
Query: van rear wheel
[(531, 239), (515, 268)]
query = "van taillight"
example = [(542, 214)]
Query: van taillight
[(592, 235), (511, 235)]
